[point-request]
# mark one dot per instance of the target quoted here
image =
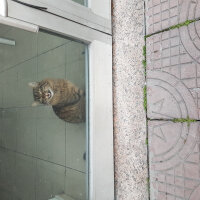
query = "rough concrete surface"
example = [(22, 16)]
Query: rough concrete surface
[(129, 116)]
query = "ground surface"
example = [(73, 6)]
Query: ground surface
[(129, 115), (173, 95)]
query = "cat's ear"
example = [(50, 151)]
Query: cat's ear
[(35, 103), (33, 84)]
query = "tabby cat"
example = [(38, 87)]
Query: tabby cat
[(67, 100)]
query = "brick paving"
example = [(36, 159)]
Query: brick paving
[(173, 72), (174, 160), (162, 14), (173, 91)]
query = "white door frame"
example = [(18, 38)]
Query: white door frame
[(95, 30)]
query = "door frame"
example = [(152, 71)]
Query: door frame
[(97, 35)]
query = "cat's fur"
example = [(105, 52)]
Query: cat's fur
[(66, 99)]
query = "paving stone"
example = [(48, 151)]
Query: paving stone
[(173, 73), (174, 157), (161, 14)]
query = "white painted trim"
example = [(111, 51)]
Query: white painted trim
[(19, 24), (55, 23), (75, 12), (101, 122), (101, 8), (3, 8)]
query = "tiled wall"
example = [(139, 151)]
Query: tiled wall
[(40, 155)]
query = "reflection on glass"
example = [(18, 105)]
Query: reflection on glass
[(66, 99), (42, 150), (82, 2)]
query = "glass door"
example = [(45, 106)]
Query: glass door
[(47, 50), (43, 116)]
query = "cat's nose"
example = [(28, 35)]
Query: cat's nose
[(47, 94)]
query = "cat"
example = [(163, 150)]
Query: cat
[(66, 99)]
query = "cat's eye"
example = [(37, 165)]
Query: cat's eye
[(43, 156), (49, 92)]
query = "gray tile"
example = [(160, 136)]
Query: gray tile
[(26, 131), (50, 180), (2, 82), (7, 170), (75, 72), (10, 121), (75, 63), (4, 29), (51, 60), (57, 72), (44, 111), (16, 91), (6, 195), (50, 137), (1, 97), (75, 146), (27, 72), (25, 48), (2, 138), (74, 51), (10, 88), (75, 184), (47, 42), (25, 177)]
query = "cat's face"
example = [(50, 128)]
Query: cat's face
[(42, 92)]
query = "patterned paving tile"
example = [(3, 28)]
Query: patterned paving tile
[(173, 73), (173, 91), (174, 160), (161, 14)]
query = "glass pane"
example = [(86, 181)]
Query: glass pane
[(43, 129), (82, 2)]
